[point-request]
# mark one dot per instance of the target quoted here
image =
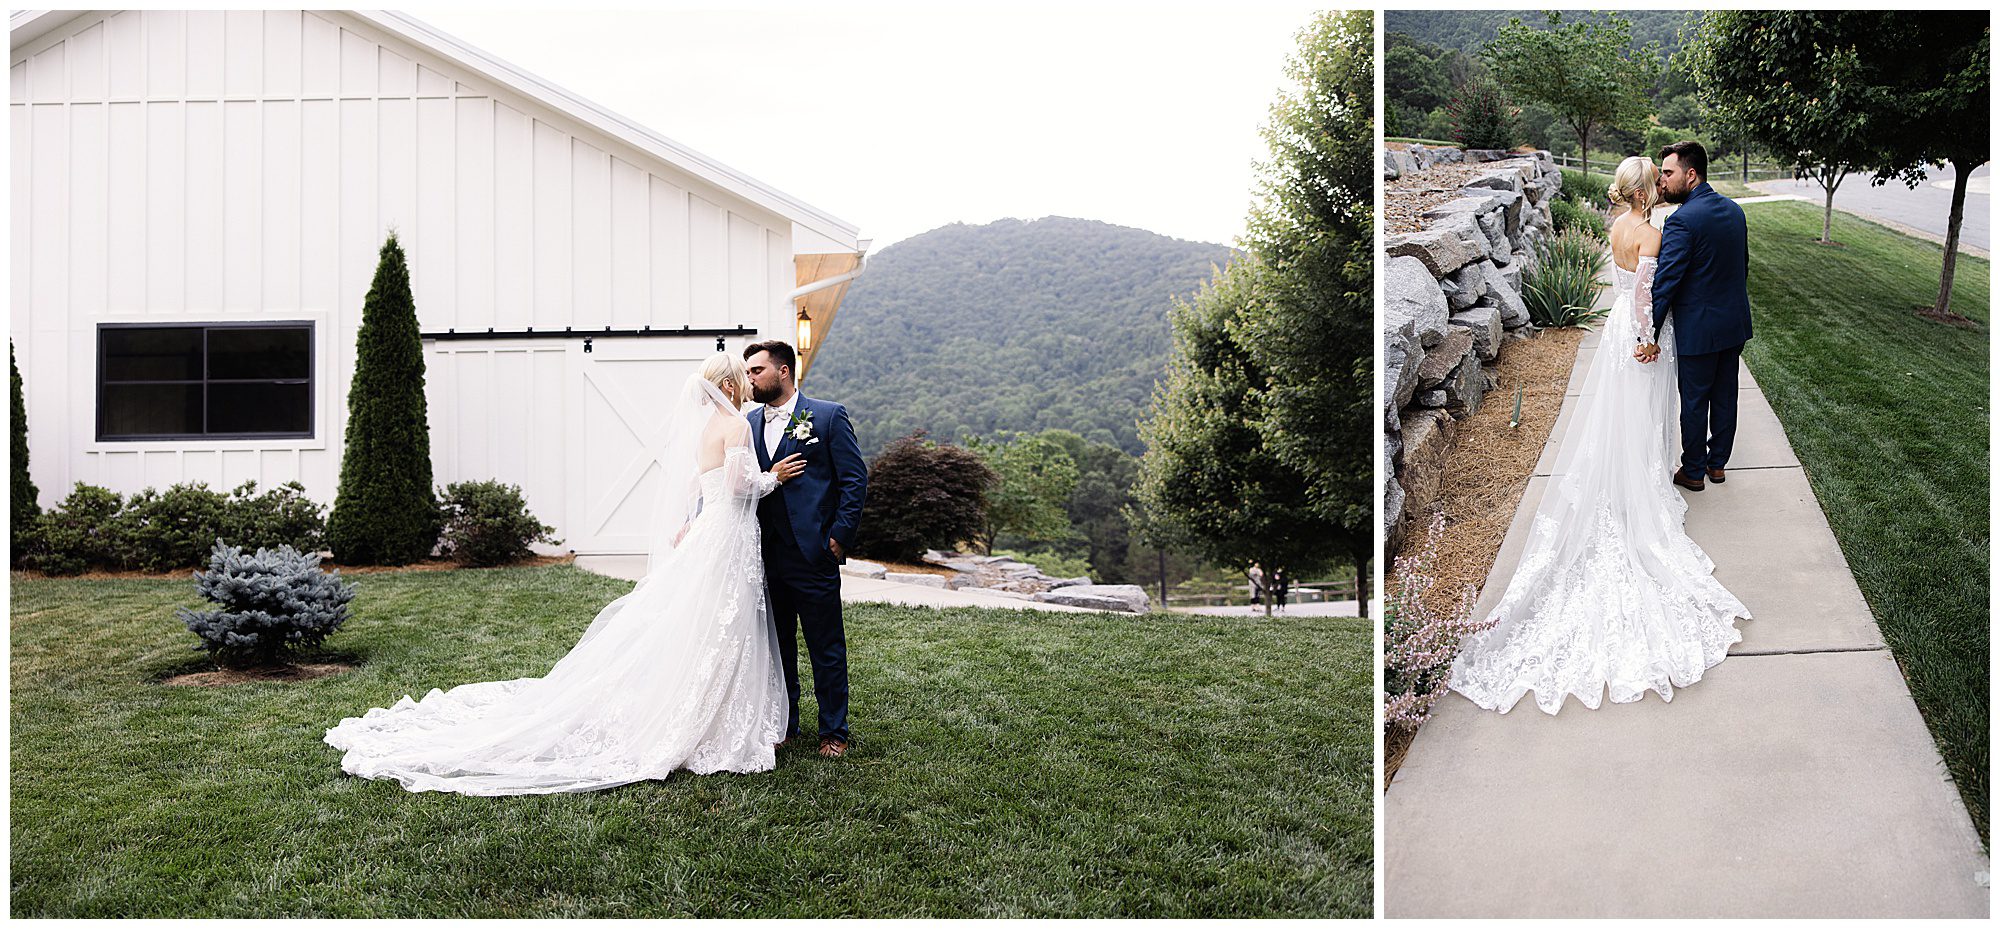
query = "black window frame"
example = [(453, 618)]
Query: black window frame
[(310, 380)]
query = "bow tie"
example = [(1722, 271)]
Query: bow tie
[(772, 413)]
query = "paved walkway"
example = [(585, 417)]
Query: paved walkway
[(853, 589), (1321, 608), (1795, 779), (1923, 212)]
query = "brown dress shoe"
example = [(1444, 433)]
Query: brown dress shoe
[(1683, 480), (832, 748), (1716, 475)]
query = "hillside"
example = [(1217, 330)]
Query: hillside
[(1012, 325), (1470, 30)]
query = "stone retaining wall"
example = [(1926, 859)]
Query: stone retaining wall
[(1452, 303)]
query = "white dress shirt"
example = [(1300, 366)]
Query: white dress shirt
[(774, 429)]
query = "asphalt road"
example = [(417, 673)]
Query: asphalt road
[(1924, 211)]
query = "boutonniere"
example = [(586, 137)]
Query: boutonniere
[(801, 428)]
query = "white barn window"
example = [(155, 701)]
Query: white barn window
[(204, 381)]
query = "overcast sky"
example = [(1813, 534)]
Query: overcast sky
[(901, 119)]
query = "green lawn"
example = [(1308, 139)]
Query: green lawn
[(1888, 413), (1006, 763)]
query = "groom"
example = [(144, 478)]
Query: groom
[(808, 525), (1701, 279)]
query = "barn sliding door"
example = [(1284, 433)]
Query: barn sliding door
[(625, 388)]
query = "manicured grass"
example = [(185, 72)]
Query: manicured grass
[(1888, 413), (1006, 763)]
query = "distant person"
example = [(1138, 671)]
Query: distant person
[(1256, 575), (1281, 588)]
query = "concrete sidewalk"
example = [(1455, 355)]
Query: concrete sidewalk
[(1795, 779)]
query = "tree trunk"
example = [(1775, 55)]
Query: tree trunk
[(1746, 165), (1964, 172), (1163, 577), (1829, 180), (1583, 146), (1361, 579)]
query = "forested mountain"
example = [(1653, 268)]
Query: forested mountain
[(1013, 325), (1469, 30)]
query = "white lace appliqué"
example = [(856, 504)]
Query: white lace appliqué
[(680, 673), (1610, 593)]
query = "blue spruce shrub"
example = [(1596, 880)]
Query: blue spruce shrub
[(270, 603)]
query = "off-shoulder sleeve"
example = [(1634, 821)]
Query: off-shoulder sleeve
[(740, 475), (1642, 295)]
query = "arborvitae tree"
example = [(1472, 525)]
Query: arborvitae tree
[(26, 509), (385, 512)]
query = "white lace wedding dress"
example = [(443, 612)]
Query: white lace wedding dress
[(680, 673), (1610, 593)]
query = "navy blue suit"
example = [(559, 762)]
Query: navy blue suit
[(1702, 279), (800, 570)]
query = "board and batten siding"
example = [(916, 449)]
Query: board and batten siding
[(228, 166)]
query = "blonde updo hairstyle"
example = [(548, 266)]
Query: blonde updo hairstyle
[(1635, 185), (726, 372)]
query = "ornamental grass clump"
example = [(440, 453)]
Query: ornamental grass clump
[(271, 604), (1562, 286), (1419, 641)]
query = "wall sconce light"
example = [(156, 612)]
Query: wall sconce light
[(805, 339)]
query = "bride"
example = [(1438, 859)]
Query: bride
[(1610, 593), (682, 672)]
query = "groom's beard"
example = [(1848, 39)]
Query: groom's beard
[(762, 395), (1673, 196)]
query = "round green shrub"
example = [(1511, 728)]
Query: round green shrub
[(175, 528), (82, 532), (1568, 216), (283, 515), (488, 523)]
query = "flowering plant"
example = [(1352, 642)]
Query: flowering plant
[(1420, 643)]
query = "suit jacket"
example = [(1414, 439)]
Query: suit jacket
[(1702, 274), (823, 502)]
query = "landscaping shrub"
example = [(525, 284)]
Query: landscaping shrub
[(271, 603), (384, 511), (283, 515), (488, 523), (1591, 190), (1562, 285), (1421, 640), (1480, 118), (26, 507), (1569, 216), (83, 531), (174, 528), (1051, 563), (922, 494)]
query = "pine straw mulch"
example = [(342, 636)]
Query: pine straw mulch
[(1479, 502)]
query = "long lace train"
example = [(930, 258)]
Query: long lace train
[(680, 673), (1610, 593)]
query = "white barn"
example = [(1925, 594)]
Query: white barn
[(198, 201)]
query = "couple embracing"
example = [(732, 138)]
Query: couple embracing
[(1610, 594), (696, 668)]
